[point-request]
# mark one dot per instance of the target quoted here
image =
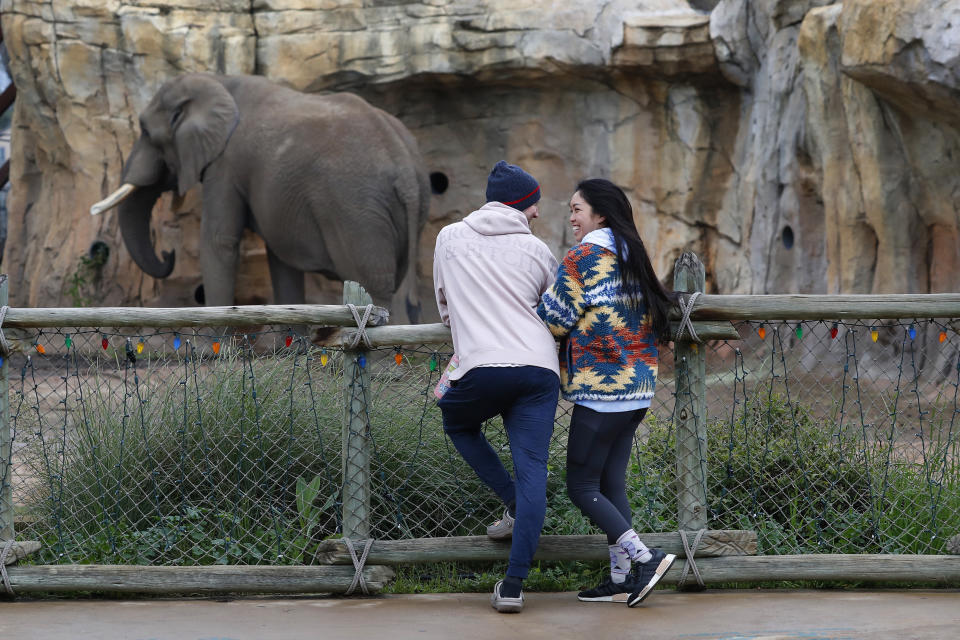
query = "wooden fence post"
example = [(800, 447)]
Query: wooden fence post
[(356, 429), (691, 409), (6, 439)]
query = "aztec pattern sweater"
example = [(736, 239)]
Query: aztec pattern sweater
[(608, 350)]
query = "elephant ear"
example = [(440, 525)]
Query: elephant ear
[(207, 121)]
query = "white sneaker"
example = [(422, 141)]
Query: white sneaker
[(505, 605)]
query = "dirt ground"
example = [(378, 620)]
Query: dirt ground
[(712, 615)]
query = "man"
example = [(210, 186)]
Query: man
[(489, 271)]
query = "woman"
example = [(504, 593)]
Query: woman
[(609, 309)]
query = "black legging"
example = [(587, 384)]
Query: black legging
[(598, 451)]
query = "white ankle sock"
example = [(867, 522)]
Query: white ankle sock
[(632, 545), (619, 564)]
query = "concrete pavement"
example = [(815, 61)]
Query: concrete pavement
[(712, 615)]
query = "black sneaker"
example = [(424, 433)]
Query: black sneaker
[(646, 575), (608, 591)]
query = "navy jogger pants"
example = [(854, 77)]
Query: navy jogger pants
[(526, 398)]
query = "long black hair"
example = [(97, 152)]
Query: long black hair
[(636, 273)]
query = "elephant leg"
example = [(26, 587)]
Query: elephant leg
[(365, 252), (407, 299), (288, 282), (224, 216), (288, 288)]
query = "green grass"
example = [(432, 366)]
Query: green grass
[(454, 577), (190, 468)]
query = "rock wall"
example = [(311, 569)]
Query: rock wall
[(883, 87), (796, 145)]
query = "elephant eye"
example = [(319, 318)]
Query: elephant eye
[(175, 116)]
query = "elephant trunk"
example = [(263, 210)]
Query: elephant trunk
[(134, 214)]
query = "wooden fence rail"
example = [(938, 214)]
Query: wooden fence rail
[(399, 335), (240, 316), (870, 568), (550, 549), (6, 438), (711, 310), (205, 579), (818, 307)]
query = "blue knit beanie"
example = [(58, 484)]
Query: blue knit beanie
[(512, 186)]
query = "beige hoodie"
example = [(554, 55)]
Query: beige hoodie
[(489, 272)]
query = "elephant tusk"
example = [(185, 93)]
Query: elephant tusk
[(113, 199)]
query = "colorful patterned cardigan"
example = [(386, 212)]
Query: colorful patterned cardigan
[(608, 350)]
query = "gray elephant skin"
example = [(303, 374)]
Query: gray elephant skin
[(332, 184)]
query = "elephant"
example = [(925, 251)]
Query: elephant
[(332, 184)]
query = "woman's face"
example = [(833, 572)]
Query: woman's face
[(582, 218)]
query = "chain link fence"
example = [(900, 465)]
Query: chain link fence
[(837, 437), (174, 448), (209, 446)]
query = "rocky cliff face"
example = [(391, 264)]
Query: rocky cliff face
[(796, 145), (882, 86)]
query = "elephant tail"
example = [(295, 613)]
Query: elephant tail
[(413, 190)]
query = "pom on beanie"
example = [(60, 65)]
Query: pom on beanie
[(512, 186)]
